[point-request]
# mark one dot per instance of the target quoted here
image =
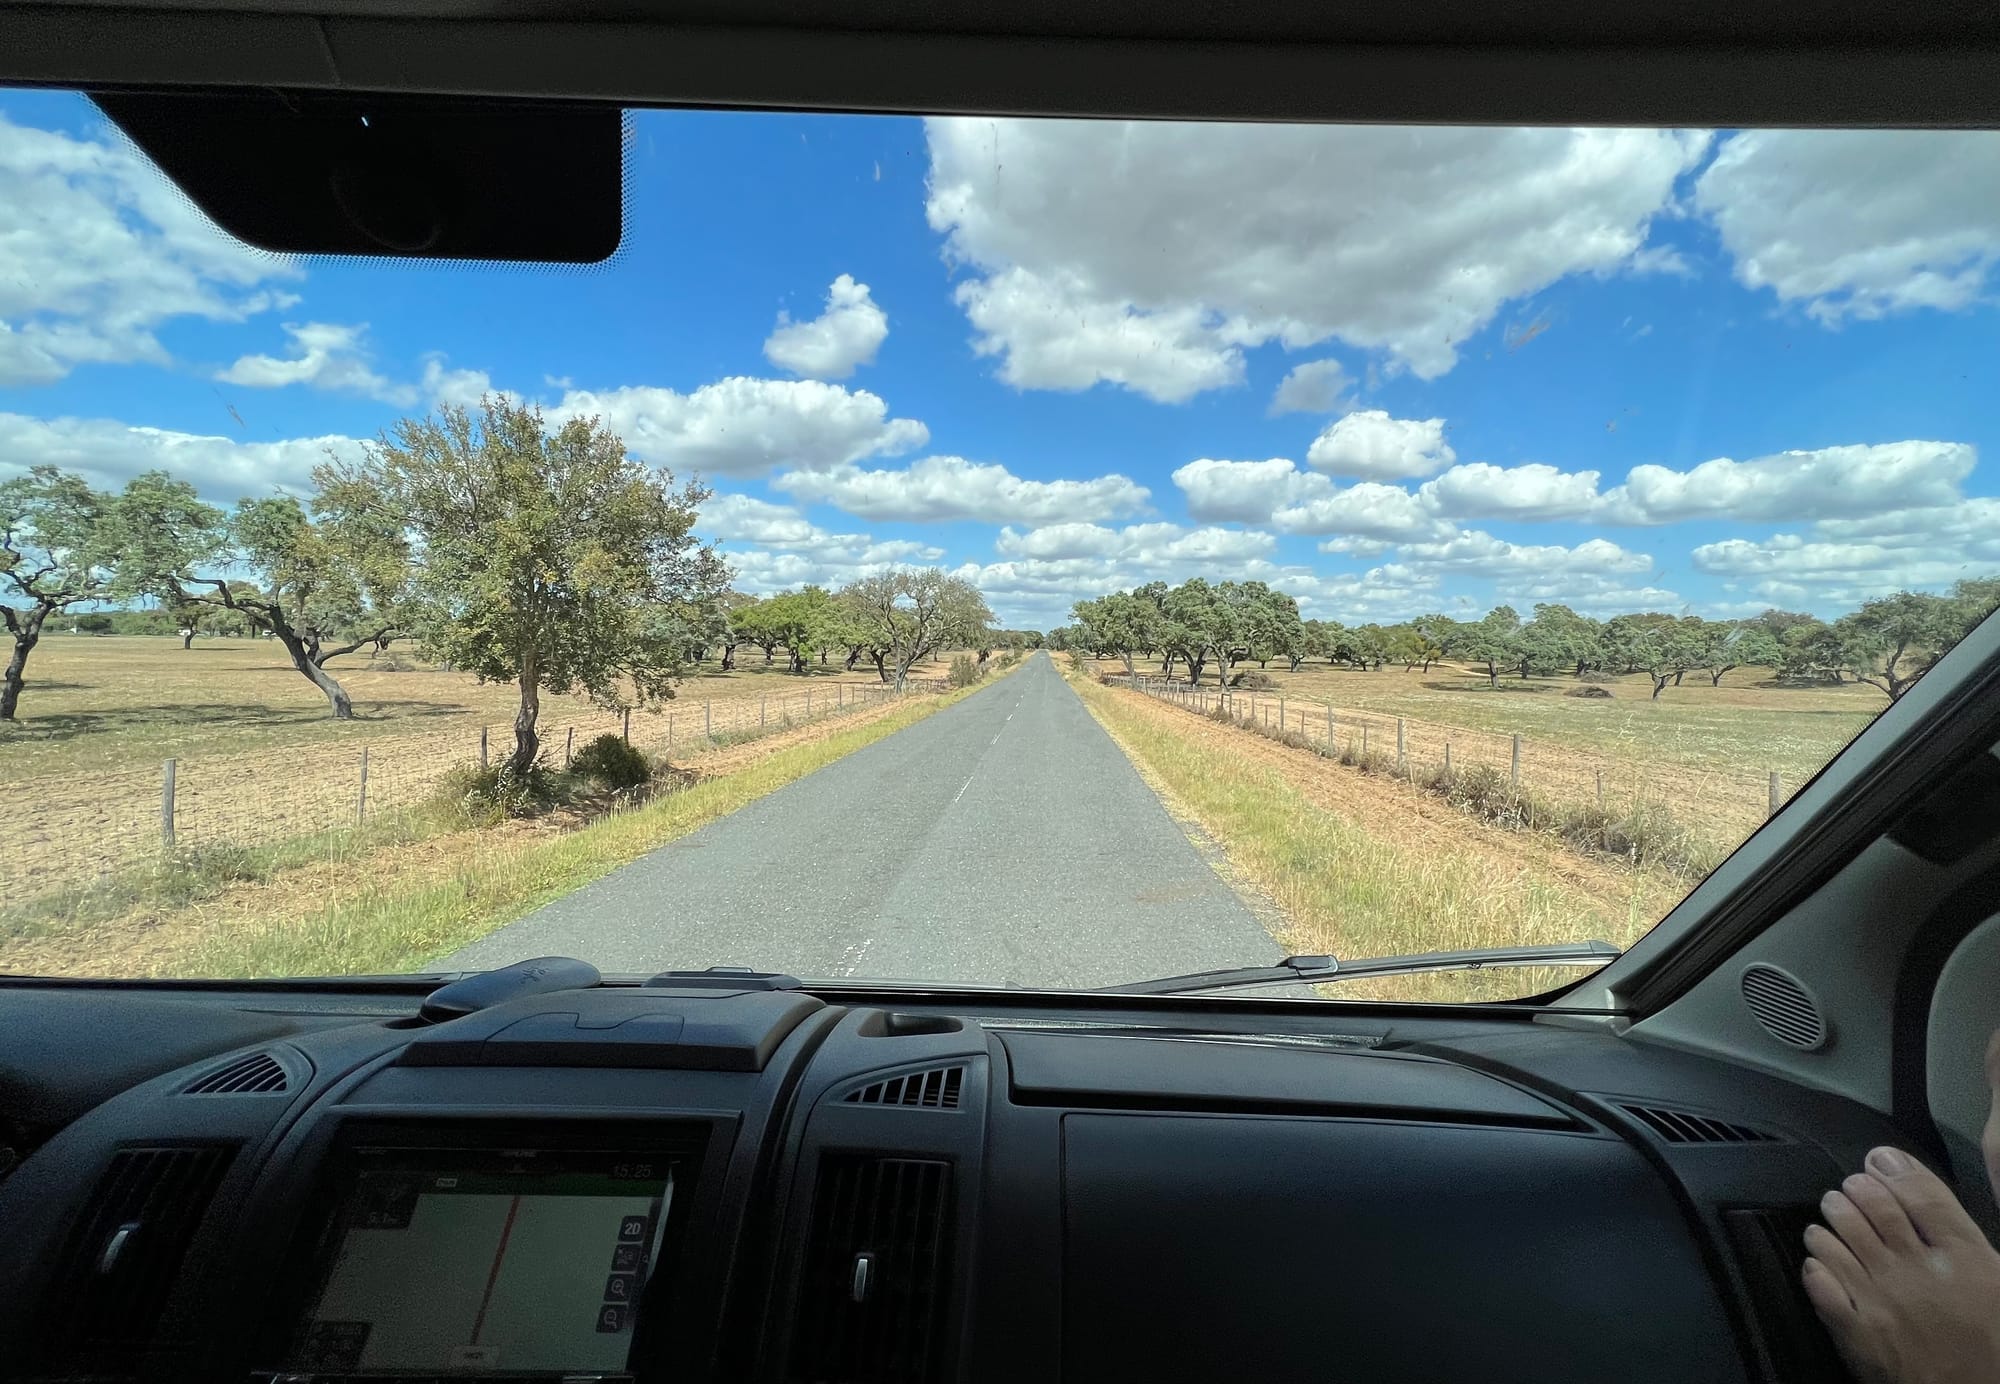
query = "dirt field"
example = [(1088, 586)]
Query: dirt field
[(258, 759), (1706, 752)]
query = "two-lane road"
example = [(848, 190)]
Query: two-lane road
[(1005, 839)]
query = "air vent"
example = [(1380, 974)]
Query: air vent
[(1765, 1242), (1686, 1127), (936, 1089), (1783, 1006), (108, 1291), (877, 1273), (258, 1074)]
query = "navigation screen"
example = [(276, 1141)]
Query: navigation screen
[(509, 1261)]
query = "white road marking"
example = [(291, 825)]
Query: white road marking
[(961, 788)]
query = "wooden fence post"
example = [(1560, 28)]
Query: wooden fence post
[(1364, 740), (1447, 759), (628, 725), (809, 704), (167, 805), (707, 726), (1402, 758), (670, 735), (569, 745), (361, 797), (1514, 773), (839, 695), (482, 747), (761, 699), (1600, 785), (1777, 794), (1281, 713)]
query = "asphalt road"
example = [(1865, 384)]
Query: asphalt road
[(1005, 839)]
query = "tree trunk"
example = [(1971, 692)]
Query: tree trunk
[(728, 657), (187, 639), (1677, 676), (1715, 676), (336, 695), (1660, 681), (27, 633), (1195, 663), (880, 671), (767, 654), (526, 742), (1493, 675), (853, 657), (1295, 662)]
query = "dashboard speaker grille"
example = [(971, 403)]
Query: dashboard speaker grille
[(936, 1089), (1686, 1127), (1784, 1006), (877, 1274), (111, 1286), (256, 1075)]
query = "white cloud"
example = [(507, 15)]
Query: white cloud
[(948, 487), (1828, 483), (1533, 491), (1141, 543), (1052, 334), (1318, 386), (1587, 593), (1858, 223), (101, 250), (1477, 553), (1151, 253), (840, 559), (744, 518), (1368, 510), (109, 453), (463, 388), (1846, 560), (324, 355), (1246, 492), (1370, 445), (742, 426), (831, 345)]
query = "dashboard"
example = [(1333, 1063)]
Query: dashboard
[(728, 1178)]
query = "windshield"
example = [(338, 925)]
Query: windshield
[(1000, 552)]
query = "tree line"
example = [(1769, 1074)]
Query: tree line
[(1887, 643), (546, 559)]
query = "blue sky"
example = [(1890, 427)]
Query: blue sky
[(1623, 369)]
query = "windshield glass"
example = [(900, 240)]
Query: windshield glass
[(1001, 552)]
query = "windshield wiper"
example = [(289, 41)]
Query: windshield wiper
[(1315, 970)]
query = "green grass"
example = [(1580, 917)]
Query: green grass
[(402, 927), (1345, 889)]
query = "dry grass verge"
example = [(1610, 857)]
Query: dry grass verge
[(1363, 866)]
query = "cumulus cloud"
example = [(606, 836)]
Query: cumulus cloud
[(1143, 543), (831, 345), (324, 355), (1368, 510), (1830, 482), (949, 487), (1533, 491), (1858, 223), (463, 388), (109, 453), (743, 426), (1151, 253), (1245, 492), (747, 519), (1478, 553), (1052, 333), (842, 558), (1841, 561), (1318, 386), (1370, 445), (101, 251)]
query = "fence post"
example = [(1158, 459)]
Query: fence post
[(809, 704), (1402, 759), (482, 747), (761, 699), (670, 735), (1447, 759), (1514, 773), (707, 726), (1329, 730), (628, 725), (1777, 794), (1281, 714), (1600, 785), (361, 797), (167, 806), (839, 695), (569, 745), (1364, 741)]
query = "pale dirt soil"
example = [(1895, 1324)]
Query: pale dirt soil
[(258, 760), (146, 942)]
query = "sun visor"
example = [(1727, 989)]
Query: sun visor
[(316, 173)]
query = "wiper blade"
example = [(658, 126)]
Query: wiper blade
[(1318, 970)]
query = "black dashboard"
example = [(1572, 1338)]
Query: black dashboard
[(728, 1178)]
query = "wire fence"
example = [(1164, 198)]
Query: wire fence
[(1727, 806), (83, 827)]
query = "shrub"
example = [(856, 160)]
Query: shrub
[(1254, 680), (394, 662), (611, 762), (485, 797), (965, 671), (1588, 690)]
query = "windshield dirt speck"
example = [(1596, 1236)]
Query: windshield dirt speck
[(988, 552)]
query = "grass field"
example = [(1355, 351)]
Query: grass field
[(1361, 866), (258, 760)]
